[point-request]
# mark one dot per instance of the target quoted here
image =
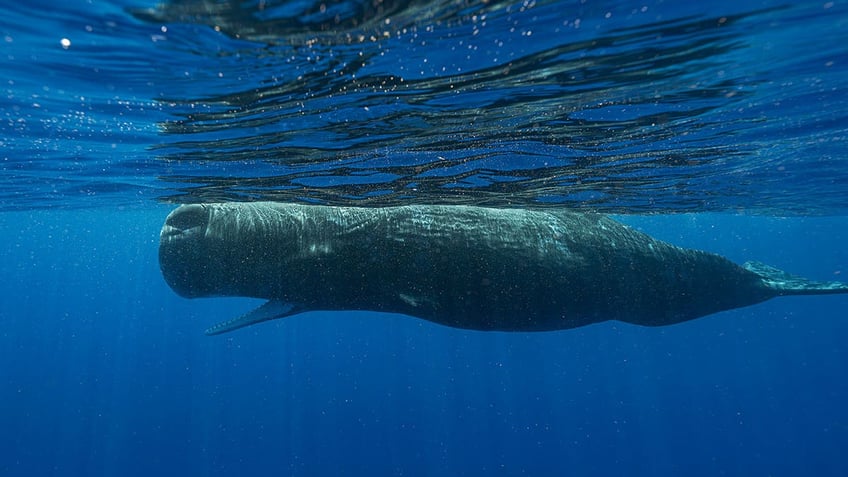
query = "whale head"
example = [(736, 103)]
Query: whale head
[(221, 250), (185, 257)]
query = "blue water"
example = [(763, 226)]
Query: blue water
[(720, 126)]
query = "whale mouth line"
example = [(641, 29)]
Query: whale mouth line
[(186, 222), (171, 233)]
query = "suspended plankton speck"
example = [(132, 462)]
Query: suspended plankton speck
[(66, 43)]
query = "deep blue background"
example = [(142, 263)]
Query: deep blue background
[(104, 371)]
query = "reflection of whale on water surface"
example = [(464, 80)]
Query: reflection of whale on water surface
[(467, 267)]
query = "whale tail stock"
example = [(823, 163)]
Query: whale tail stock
[(787, 284)]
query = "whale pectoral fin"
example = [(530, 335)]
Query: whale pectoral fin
[(271, 310)]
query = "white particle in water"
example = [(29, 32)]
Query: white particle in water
[(66, 43)]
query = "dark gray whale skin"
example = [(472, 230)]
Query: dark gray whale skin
[(462, 266)]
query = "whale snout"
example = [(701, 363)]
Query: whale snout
[(185, 222), (182, 251)]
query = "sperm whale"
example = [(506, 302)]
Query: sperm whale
[(461, 266)]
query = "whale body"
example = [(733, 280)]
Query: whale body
[(461, 266)]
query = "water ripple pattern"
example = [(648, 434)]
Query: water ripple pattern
[(610, 106)]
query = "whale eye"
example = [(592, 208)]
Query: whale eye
[(188, 217)]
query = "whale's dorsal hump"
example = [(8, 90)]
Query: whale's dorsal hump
[(271, 310)]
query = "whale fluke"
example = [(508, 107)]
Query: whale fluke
[(787, 284)]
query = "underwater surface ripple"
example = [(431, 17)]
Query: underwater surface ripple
[(615, 107)]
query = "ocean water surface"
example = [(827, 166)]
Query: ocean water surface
[(715, 125)]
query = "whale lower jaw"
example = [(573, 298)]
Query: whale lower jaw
[(271, 310)]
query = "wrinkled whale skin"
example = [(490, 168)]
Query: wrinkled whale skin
[(462, 266)]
